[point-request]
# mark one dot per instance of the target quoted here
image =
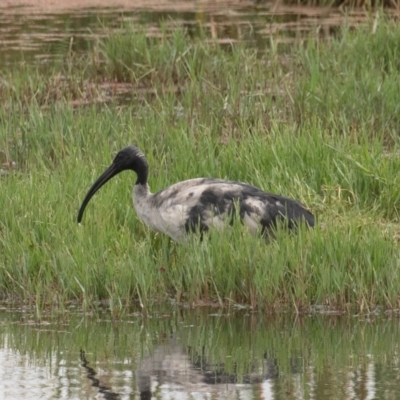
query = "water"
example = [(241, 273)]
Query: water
[(46, 29), (178, 353)]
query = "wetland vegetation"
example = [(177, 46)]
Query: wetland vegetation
[(317, 120)]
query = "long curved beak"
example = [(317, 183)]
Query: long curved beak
[(111, 171)]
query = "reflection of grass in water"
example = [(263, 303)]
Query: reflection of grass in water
[(235, 347), (318, 124)]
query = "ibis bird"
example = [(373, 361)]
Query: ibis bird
[(195, 205)]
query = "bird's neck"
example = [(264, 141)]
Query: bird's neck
[(142, 191), (143, 203), (142, 171)]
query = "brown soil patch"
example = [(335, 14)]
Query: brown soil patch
[(57, 6)]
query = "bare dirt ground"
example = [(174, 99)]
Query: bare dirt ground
[(56, 6)]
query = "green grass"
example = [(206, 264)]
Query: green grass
[(319, 124)]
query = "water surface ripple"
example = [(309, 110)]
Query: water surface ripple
[(199, 354), (39, 30)]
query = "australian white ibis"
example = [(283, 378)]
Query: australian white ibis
[(202, 203)]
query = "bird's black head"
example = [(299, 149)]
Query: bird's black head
[(132, 158), (129, 157)]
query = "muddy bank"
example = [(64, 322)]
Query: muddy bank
[(56, 6)]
